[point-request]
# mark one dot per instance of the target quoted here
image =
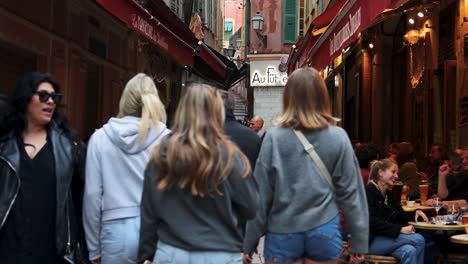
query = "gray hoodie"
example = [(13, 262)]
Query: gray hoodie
[(115, 165)]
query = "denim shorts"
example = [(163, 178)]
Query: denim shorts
[(119, 240), (320, 244), (167, 254)]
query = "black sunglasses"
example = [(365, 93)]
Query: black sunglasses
[(44, 96)]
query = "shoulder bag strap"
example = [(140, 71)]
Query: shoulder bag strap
[(315, 157)]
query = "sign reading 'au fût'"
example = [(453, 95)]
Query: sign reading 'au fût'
[(266, 73)]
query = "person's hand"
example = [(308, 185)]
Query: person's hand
[(356, 258), (444, 170), (246, 259), (420, 213), (96, 261), (409, 229), (428, 202)]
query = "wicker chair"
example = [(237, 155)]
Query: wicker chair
[(453, 259), (376, 259)]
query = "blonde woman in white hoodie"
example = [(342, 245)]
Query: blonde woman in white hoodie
[(116, 159)]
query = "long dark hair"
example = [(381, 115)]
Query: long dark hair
[(15, 119)]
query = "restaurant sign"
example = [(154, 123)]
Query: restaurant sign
[(354, 17), (350, 27), (266, 73), (141, 25), (135, 17)]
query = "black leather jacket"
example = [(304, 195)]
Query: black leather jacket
[(69, 168)]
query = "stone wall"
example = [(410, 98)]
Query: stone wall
[(268, 103)]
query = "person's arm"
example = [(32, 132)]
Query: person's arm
[(256, 228), (92, 200), (351, 196), (442, 190), (243, 191), (420, 213), (149, 223)]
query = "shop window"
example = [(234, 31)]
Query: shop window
[(290, 21)]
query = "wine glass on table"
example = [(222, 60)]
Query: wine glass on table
[(437, 204)]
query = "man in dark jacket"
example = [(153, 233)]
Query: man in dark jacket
[(247, 140)]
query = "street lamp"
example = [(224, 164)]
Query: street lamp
[(257, 21), (229, 52), (257, 24)]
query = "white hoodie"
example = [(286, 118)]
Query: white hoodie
[(115, 165)]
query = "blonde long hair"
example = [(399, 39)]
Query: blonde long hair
[(198, 155), (140, 98), (306, 104)]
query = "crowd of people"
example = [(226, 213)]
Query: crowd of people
[(207, 189)]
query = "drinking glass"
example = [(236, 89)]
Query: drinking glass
[(397, 189), (423, 190), (405, 192), (453, 211), (437, 204), (465, 221)]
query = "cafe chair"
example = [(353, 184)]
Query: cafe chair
[(453, 259), (377, 259)]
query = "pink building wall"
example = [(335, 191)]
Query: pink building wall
[(272, 12), (234, 10)]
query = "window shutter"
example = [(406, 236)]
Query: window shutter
[(227, 30), (202, 11), (290, 21), (175, 6)]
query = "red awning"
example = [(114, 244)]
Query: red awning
[(354, 17), (314, 31), (163, 28)]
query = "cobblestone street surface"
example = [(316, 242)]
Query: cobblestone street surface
[(258, 258)]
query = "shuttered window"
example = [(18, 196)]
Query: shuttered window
[(227, 30), (175, 6), (290, 21)]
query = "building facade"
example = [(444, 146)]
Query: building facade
[(401, 76), (268, 51), (93, 53), (89, 53)]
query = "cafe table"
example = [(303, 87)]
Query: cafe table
[(459, 239), (442, 227), (417, 206)]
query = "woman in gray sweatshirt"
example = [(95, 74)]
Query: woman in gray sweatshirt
[(116, 159), (298, 208), (198, 193)]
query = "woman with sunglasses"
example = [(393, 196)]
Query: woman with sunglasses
[(116, 161), (41, 165)]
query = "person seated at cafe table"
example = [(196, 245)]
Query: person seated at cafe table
[(390, 233), (408, 170), (453, 183)]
